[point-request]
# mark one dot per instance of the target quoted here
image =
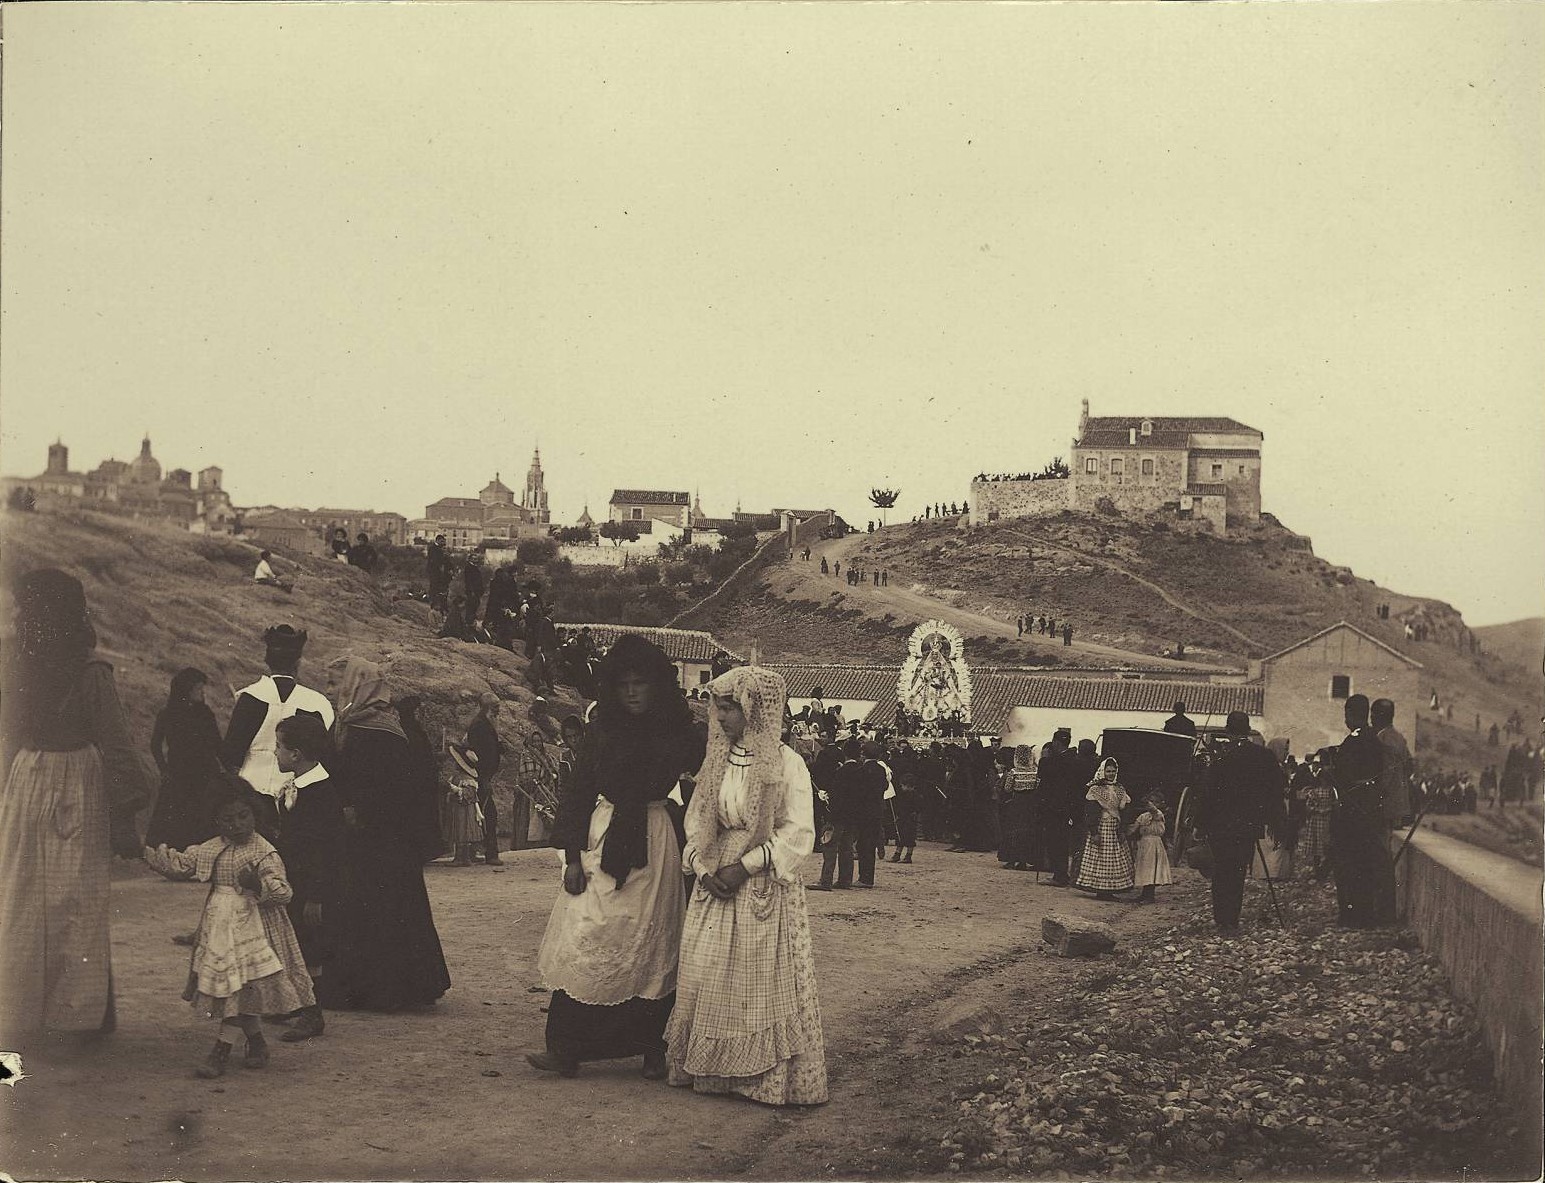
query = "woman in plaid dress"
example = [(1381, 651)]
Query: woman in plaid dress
[(1106, 863), (747, 1019)]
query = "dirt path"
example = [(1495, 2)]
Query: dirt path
[(446, 1094), (1157, 589), (904, 601)]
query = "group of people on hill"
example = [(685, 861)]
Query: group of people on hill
[(1045, 626), (940, 509)]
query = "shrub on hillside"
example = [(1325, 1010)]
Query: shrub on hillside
[(536, 552), (647, 573)]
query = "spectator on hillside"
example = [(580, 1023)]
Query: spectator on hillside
[(437, 567), (264, 574), (1067, 634), (483, 738), (340, 545), (476, 583), (363, 555)]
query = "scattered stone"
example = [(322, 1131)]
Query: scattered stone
[(1071, 937)]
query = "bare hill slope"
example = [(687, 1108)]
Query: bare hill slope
[(162, 599), (1132, 591), (1519, 642)]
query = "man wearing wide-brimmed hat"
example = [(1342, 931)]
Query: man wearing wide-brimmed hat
[(1241, 797)]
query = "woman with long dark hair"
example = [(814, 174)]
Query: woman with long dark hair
[(609, 954), (186, 745), (387, 954), (73, 787)]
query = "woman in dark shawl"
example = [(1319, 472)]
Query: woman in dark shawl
[(186, 745), (425, 821), (1018, 850), (610, 951), (387, 954), (73, 786)]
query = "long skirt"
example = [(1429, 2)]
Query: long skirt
[(609, 953), (385, 951), (747, 1018), (54, 858), (1151, 862), (184, 814), (246, 960), (1106, 861), (1313, 844), (1018, 830)]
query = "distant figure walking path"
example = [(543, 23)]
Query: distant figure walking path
[(1163, 593), (924, 607)]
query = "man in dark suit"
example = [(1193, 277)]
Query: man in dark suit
[(846, 810), (1180, 723), (1359, 850), (1060, 790), (1241, 795)]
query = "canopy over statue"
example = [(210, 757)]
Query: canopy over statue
[(935, 683)]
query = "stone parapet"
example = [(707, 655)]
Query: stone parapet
[(1479, 913)]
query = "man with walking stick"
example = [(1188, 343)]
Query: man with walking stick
[(1240, 796)]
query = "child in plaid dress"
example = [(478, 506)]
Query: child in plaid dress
[(463, 816), (1106, 864), (246, 961)]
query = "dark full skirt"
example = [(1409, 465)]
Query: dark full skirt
[(184, 815), (383, 952), (1018, 831), (581, 1031)]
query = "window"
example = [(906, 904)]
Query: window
[(1115, 466), (1091, 465), (1147, 467), (1147, 426), (704, 677), (1340, 686), (637, 514), (1217, 470), (1241, 470)]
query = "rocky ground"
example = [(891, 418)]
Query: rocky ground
[(956, 1044)]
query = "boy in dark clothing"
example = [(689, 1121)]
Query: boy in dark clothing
[(311, 839)]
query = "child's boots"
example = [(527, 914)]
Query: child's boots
[(257, 1051), (213, 1066)]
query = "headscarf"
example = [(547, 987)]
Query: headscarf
[(1106, 791), (54, 640), (630, 760), (364, 700), (1024, 776), (761, 694)]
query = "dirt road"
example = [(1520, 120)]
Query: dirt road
[(904, 601), (447, 1094)]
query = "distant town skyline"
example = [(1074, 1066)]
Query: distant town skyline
[(368, 255)]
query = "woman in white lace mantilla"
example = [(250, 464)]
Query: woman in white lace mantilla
[(747, 1019)]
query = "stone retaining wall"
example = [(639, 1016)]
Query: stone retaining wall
[(1479, 913)]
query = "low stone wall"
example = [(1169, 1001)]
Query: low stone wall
[(1479, 913), (996, 500)]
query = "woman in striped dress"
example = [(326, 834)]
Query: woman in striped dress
[(1106, 863), (747, 1019)]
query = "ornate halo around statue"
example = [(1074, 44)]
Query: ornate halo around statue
[(935, 682)]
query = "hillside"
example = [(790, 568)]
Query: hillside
[(162, 599), (1519, 642), (1132, 590)]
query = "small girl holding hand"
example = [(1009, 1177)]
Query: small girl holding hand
[(1150, 861), (246, 962)]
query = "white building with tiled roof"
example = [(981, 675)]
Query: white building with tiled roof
[(691, 650), (643, 505)]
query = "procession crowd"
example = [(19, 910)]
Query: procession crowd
[(679, 934)]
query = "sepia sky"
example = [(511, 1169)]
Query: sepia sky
[(369, 254)]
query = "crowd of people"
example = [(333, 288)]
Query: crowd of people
[(1045, 626), (680, 932)]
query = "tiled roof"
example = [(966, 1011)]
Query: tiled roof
[(997, 691), (1101, 438), (680, 644), (1182, 423), (647, 497), (274, 521), (1333, 628)]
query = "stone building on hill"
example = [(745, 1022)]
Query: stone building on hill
[(1201, 468), (650, 505), (135, 488), (492, 516)]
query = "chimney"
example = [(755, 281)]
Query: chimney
[(1131, 435)]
